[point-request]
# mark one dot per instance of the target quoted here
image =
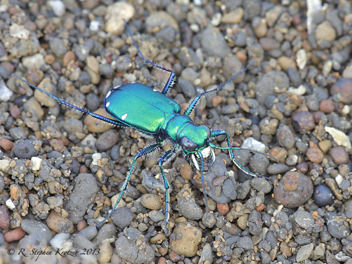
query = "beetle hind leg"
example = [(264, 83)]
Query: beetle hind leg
[(172, 78), (164, 158), (124, 187)]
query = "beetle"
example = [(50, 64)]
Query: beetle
[(154, 114)]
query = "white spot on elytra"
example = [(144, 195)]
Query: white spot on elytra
[(155, 90), (124, 116), (108, 94), (107, 104)]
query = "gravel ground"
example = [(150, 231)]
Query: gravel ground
[(61, 172)]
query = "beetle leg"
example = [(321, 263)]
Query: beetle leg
[(124, 187), (216, 133), (164, 158), (170, 82), (100, 117)]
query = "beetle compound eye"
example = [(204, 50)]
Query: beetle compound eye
[(188, 144)]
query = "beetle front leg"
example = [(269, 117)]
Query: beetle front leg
[(124, 187), (164, 158), (217, 133)]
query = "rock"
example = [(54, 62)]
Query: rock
[(115, 14), (189, 239), (293, 190)]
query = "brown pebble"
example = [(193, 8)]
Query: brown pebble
[(95, 125), (216, 100), (293, 190), (151, 201), (286, 63), (241, 56), (190, 237), (302, 167), (6, 144), (325, 145), (49, 59), (4, 217), (223, 208), (158, 238), (186, 171), (14, 235), (15, 111), (59, 224), (81, 225), (162, 260), (339, 155), (260, 207), (175, 257), (14, 192), (314, 154), (303, 121), (285, 249), (326, 106), (83, 169), (57, 144), (162, 251), (218, 180), (69, 56)]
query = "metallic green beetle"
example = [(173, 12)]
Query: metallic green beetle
[(154, 114)]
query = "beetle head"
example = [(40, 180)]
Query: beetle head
[(194, 141)]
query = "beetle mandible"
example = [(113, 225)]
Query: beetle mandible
[(162, 119)]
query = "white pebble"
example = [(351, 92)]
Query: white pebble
[(33, 62), (301, 90), (19, 31), (96, 157), (5, 93), (340, 138), (253, 144), (301, 59), (59, 240), (58, 7), (10, 204), (36, 163)]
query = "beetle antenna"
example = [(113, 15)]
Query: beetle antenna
[(195, 101), (250, 150), (239, 165), (61, 101)]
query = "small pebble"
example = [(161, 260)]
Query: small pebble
[(14, 235), (303, 122), (38, 228), (187, 241), (59, 224), (293, 190), (339, 155), (4, 217), (24, 149), (122, 217), (6, 144), (107, 140), (151, 201), (323, 195), (314, 154), (326, 106)]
